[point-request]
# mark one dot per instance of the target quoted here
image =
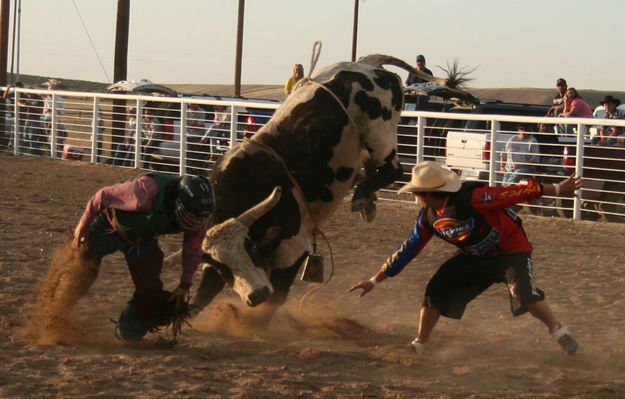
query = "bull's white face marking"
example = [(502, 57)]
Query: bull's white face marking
[(225, 243)]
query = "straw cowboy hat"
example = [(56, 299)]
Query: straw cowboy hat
[(52, 83), (428, 176)]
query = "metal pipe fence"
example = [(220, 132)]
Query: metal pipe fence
[(187, 135)]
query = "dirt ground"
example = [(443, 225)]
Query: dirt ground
[(339, 345)]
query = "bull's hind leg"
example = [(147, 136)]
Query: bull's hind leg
[(212, 283)]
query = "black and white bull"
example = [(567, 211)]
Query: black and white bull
[(313, 147)]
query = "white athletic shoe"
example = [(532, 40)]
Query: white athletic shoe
[(418, 346), (563, 336)]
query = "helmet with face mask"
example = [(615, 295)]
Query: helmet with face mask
[(195, 202)]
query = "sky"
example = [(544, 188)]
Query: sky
[(511, 43)]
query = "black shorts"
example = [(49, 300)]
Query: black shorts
[(462, 278)]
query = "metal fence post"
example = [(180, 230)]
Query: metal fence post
[(16, 121), (53, 128), (138, 127), (94, 130), (579, 169), (492, 173), (233, 125), (183, 138), (421, 122)]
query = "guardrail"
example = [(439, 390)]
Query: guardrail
[(186, 135)]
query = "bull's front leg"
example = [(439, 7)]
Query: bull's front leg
[(211, 284), (364, 197)]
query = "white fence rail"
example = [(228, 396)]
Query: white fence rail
[(186, 135)]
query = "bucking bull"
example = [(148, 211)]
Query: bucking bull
[(312, 150)]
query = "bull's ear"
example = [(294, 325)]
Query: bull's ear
[(269, 236), (248, 217)]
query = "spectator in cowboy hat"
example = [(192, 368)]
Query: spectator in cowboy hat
[(607, 134), (53, 84), (493, 247)]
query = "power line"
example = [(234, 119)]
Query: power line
[(91, 41)]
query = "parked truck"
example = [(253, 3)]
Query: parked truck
[(468, 148)]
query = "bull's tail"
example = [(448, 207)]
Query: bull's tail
[(380, 59)]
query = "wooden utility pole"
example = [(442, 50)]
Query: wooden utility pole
[(5, 10), (121, 41), (355, 30), (120, 70), (239, 52)]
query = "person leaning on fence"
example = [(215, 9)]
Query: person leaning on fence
[(56, 103), (574, 107), (493, 247), (609, 135), (519, 157), (558, 99), (298, 74), (129, 217)]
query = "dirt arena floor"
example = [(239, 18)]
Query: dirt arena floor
[(339, 346)]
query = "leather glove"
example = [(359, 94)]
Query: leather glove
[(180, 295)]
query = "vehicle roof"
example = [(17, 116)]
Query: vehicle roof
[(144, 86)]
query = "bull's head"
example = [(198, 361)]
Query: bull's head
[(228, 248)]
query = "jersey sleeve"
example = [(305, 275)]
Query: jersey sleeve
[(409, 249), (487, 197)]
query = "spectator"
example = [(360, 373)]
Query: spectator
[(298, 74), (412, 78), (519, 157), (151, 135), (218, 132), (129, 217), (607, 134), (125, 150), (9, 96), (52, 84), (195, 120), (616, 137), (575, 106), (558, 99), (493, 248), (53, 102)]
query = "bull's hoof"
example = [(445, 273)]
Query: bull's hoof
[(368, 214), (359, 204)]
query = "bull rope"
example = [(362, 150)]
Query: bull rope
[(308, 80)]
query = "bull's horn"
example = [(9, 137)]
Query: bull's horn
[(248, 217)]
